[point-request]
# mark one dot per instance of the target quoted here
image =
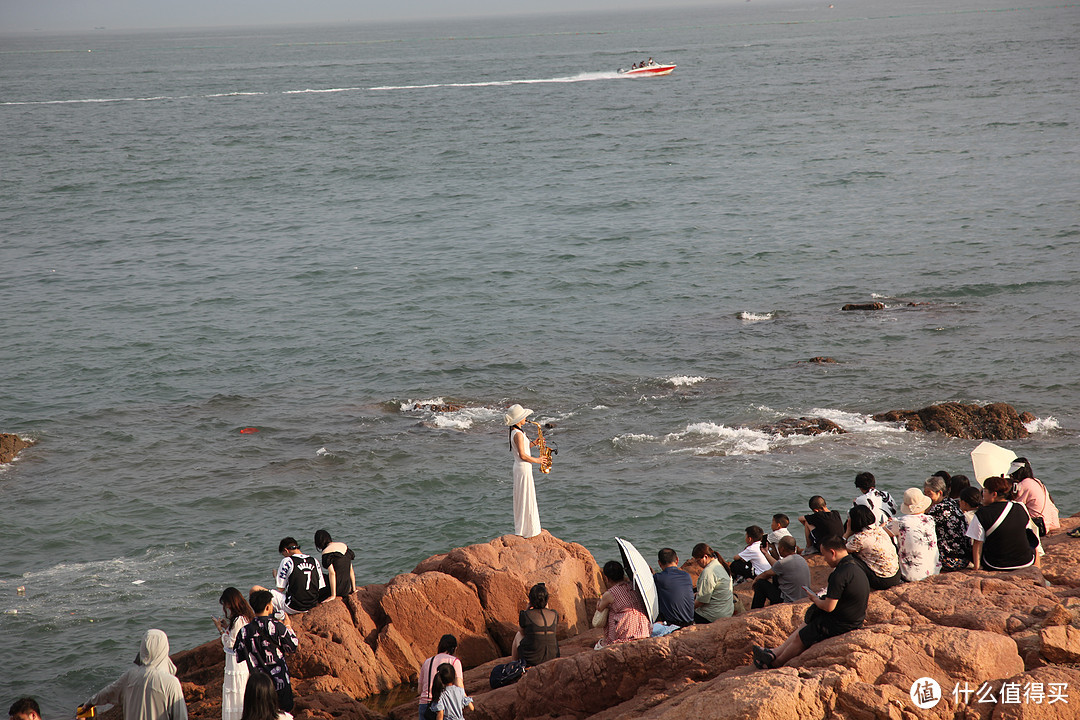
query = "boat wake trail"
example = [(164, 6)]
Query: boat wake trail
[(580, 77)]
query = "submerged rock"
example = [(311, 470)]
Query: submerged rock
[(11, 445), (997, 421), (864, 306), (803, 426)]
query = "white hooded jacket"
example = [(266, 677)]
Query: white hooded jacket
[(149, 691)]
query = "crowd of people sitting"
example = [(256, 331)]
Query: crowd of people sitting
[(948, 525)]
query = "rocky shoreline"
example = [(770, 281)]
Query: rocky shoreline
[(967, 627)]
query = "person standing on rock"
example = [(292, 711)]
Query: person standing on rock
[(841, 610), (150, 690), (443, 655), (526, 514), (263, 642)]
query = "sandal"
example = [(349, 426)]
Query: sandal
[(1074, 533), (763, 659)]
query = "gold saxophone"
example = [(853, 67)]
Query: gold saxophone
[(541, 445)]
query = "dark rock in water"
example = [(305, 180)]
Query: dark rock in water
[(10, 446), (819, 360), (437, 407), (803, 426), (864, 306), (998, 421)]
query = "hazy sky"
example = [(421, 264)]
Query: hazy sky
[(23, 15)]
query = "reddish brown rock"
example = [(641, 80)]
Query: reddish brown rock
[(864, 306), (11, 445), (970, 627), (997, 421)]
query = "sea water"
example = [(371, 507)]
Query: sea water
[(309, 231)]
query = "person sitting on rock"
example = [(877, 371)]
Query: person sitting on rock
[(784, 580), (337, 560), (299, 583), (970, 501), (820, 524), (424, 678), (917, 535), (872, 549), (1030, 491), (999, 530), (779, 529), (957, 485), (674, 590), (626, 619), (954, 546), (752, 553), (879, 501), (715, 592), (535, 641), (842, 609)]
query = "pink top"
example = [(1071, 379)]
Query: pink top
[(626, 615), (427, 674), (1035, 497)]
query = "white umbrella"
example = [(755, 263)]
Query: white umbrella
[(643, 579), (990, 460)]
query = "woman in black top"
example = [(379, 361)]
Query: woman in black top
[(999, 537), (536, 642), (337, 560)]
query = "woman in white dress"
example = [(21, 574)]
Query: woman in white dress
[(526, 515), (237, 614)]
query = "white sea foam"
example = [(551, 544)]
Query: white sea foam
[(755, 317), (458, 419), (322, 451), (855, 422), (628, 439), (1041, 425), (686, 380), (580, 77), (600, 407), (724, 439)]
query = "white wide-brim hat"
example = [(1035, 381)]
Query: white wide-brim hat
[(516, 414), (915, 502)]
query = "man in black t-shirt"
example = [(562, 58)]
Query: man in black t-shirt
[(842, 609), (820, 525)]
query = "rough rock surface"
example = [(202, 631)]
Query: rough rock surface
[(10, 446), (997, 421), (802, 426), (1004, 629), (864, 306)]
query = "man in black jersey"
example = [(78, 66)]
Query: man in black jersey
[(298, 581)]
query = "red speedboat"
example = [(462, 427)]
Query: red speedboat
[(649, 68)]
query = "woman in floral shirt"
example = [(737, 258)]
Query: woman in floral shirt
[(918, 537), (954, 546), (873, 549)]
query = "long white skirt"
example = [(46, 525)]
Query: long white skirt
[(232, 691), (526, 514)]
